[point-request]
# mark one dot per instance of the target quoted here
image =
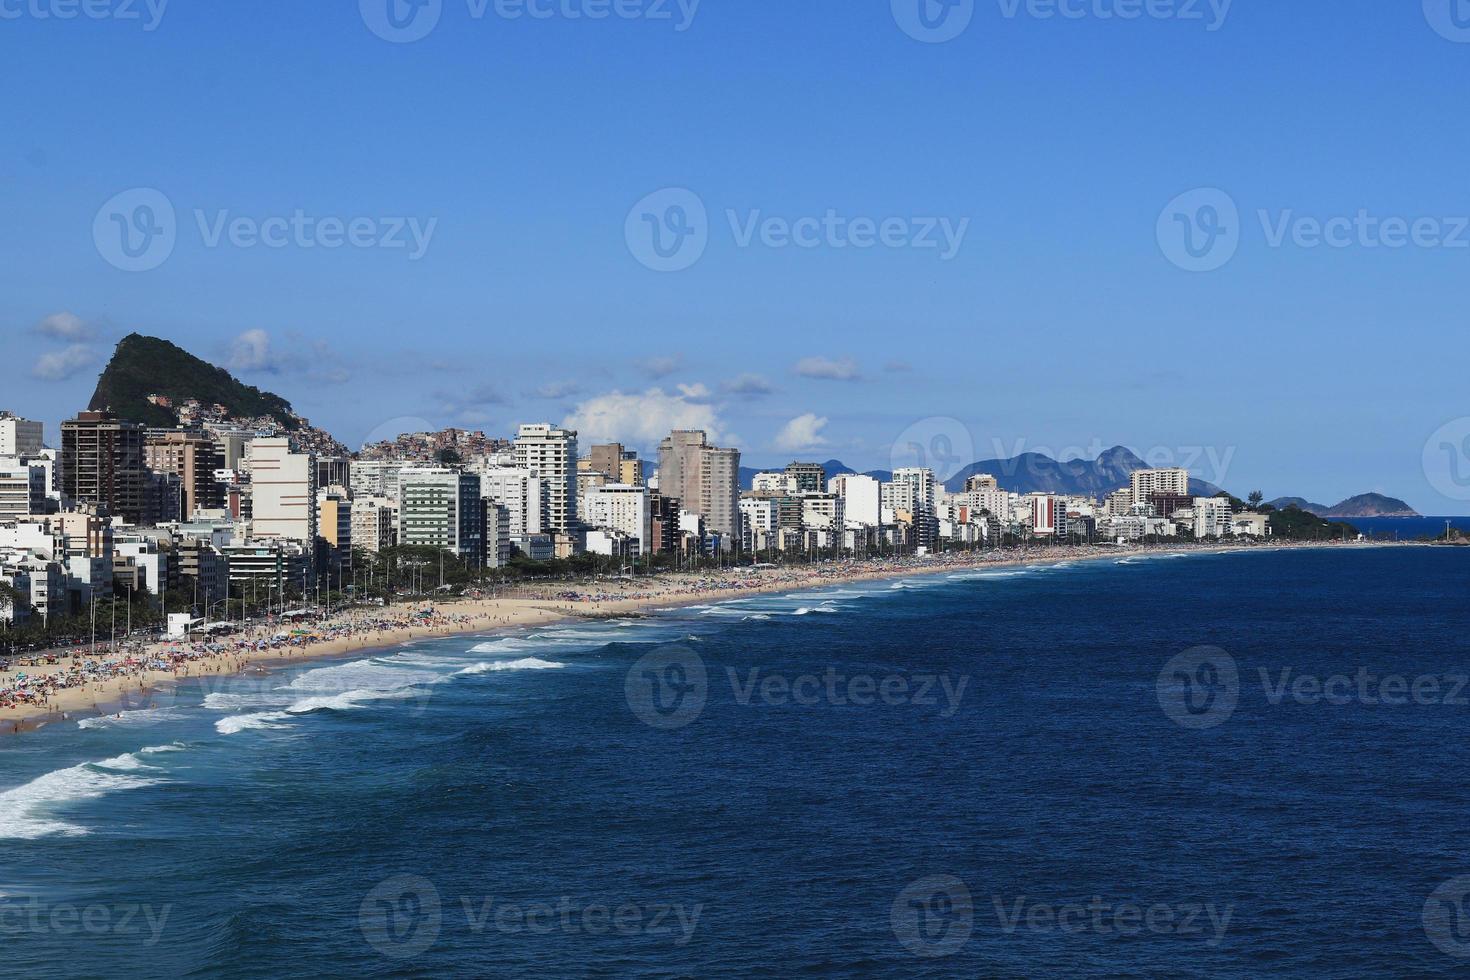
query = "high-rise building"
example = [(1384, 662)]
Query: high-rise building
[(191, 456), (521, 493), (18, 436), (372, 523), (862, 496), (102, 463), (334, 528), (1171, 482), (981, 481), (551, 454), (282, 491), (1048, 515), (333, 471), (806, 477), (440, 508), (912, 490), (22, 490), (705, 479), (624, 508)]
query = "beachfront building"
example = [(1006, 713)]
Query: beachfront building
[(758, 522), (622, 508), (1048, 515), (862, 498), (334, 527), (282, 491), (1213, 517), (550, 453), (910, 496), (522, 493), (440, 508), (373, 521), (705, 479)]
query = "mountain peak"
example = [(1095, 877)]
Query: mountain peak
[(149, 379)]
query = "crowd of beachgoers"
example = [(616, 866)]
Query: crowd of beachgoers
[(36, 681)]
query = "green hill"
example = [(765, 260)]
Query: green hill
[(143, 366)]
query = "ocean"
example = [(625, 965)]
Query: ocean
[(1408, 528), (1204, 766)]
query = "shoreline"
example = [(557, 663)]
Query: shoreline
[(499, 616)]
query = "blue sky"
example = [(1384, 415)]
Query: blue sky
[(519, 148)]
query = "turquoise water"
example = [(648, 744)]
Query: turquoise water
[(1098, 769)]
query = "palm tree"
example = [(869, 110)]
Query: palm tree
[(1256, 498)]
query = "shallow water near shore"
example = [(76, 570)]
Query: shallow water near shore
[(511, 805)]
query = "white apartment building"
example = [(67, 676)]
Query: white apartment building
[(624, 508), (373, 520), (771, 483), (374, 477), (18, 436), (1173, 482), (862, 498), (1048, 514), (1119, 502), (283, 491), (22, 490), (522, 493), (1213, 517), (759, 518), (551, 453), (823, 512), (998, 502)]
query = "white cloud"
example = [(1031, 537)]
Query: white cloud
[(640, 420), (802, 432), (827, 369), (62, 364), (251, 351), (695, 392), (65, 326)]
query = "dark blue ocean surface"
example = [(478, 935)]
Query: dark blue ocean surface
[(1408, 528), (1204, 766)]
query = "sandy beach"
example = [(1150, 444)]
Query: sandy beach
[(141, 675)]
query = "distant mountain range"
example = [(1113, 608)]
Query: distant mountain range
[(1035, 473), (1363, 505)]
